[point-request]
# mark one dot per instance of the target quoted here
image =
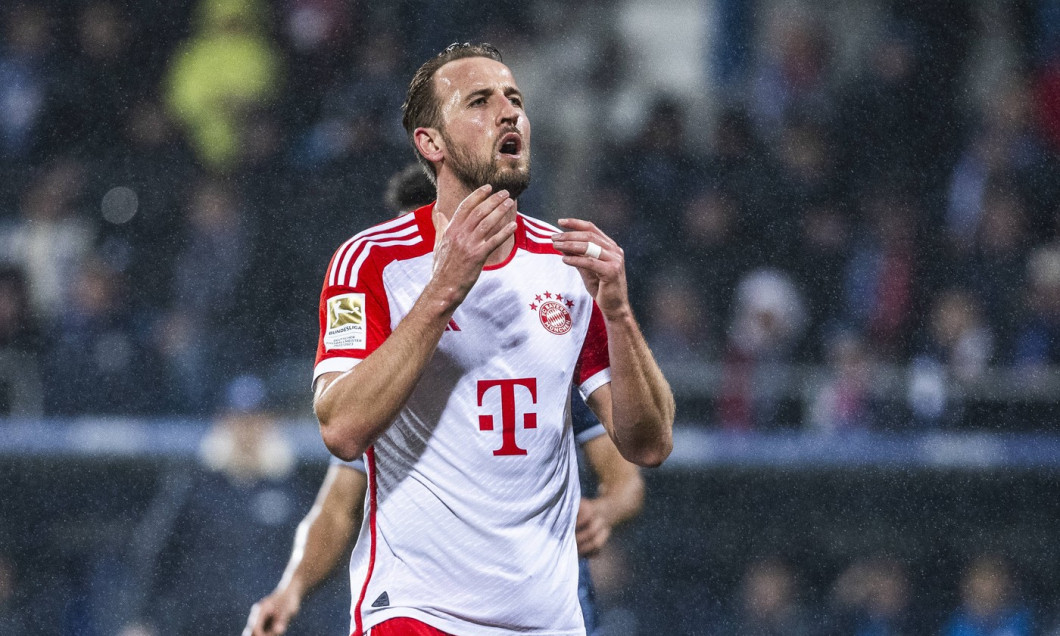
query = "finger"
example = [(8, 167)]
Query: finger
[(581, 248), (498, 239), (597, 237), (472, 201), (488, 208), (493, 221), (579, 225), (595, 265), (474, 212), (280, 627)]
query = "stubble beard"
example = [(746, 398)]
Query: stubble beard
[(474, 172)]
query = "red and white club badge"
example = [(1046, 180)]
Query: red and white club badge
[(553, 310)]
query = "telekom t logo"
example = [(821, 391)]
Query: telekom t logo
[(507, 387)]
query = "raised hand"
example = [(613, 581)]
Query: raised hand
[(600, 261), (463, 243)]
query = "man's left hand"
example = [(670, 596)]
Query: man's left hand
[(593, 527), (600, 261)]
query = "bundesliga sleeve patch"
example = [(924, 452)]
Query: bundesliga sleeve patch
[(347, 327)]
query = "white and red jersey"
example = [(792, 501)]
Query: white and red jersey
[(473, 490)]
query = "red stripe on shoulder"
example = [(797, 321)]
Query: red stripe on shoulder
[(404, 237)]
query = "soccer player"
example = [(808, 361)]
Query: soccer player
[(450, 337), (335, 518)]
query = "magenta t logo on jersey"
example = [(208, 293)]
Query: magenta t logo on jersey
[(508, 419)]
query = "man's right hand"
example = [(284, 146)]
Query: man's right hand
[(271, 615), (463, 243)]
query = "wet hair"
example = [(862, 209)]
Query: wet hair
[(409, 189), (421, 108)]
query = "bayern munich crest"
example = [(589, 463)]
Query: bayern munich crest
[(553, 310)]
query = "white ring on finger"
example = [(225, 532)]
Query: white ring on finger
[(592, 250)]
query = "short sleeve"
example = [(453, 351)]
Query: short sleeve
[(353, 315), (594, 365)]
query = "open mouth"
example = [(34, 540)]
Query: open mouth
[(511, 145)]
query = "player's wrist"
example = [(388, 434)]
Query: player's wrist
[(621, 314), (442, 299), (291, 593)]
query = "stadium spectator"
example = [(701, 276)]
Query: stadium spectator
[(681, 328), (845, 401), (48, 238), (656, 170), (880, 278), (20, 346), (93, 362), (13, 614), (205, 287), (768, 320), (957, 348), (793, 72), (825, 234), (1037, 342), (232, 529), (226, 68), (994, 269), (91, 90), (990, 603), (767, 603), (24, 79), (709, 247), (877, 110), (871, 598)]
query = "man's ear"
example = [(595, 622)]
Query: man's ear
[(429, 143)]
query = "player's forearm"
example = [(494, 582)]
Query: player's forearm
[(320, 543), (642, 402), (359, 405), (621, 498)]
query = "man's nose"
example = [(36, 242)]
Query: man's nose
[(508, 113)]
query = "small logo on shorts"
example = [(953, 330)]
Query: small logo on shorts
[(553, 310), (382, 601)]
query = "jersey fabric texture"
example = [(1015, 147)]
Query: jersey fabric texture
[(586, 428), (473, 490)]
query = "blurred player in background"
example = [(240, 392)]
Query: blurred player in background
[(327, 530)]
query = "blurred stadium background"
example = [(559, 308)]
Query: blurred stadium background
[(842, 226)]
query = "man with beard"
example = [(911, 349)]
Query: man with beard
[(449, 338)]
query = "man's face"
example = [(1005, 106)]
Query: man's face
[(484, 128)]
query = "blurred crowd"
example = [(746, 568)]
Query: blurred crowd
[(863, 190), (176, 176)]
